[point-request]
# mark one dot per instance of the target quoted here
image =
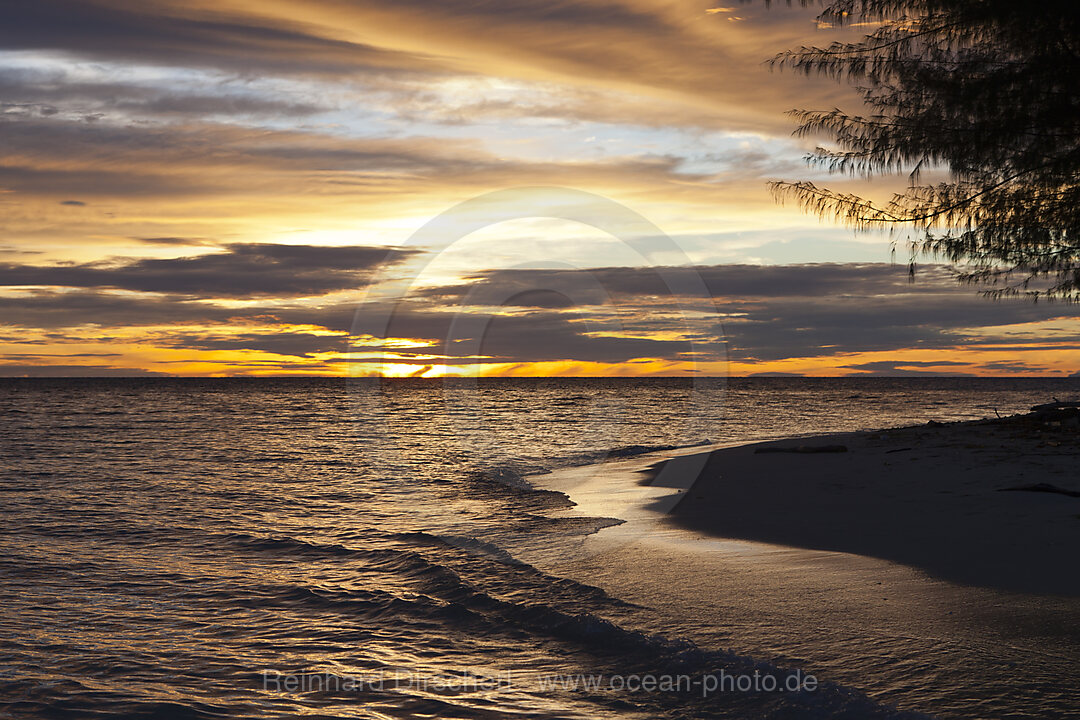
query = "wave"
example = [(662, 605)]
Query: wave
[(514, 474), (441, 595)]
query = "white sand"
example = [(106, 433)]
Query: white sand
[(825, 561), (927, 497)]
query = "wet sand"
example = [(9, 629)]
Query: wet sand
[(904, 573), (990, 504)]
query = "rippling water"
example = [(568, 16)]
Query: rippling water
[(177, 548)]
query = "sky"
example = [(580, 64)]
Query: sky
[(450, 187)]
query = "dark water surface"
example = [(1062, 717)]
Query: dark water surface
[(186, 548)]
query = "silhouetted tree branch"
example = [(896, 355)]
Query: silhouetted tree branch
[(988, 90)]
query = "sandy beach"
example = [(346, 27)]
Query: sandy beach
[(989, 503), (902, 566)]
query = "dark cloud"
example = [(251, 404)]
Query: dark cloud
[(775, 374), (866, 308), (202, 105), (153, 32), (524, 287), (711, 68), (888, 368), (1013, 368), (177, 241), (784, 328), (470, 336), (662, 48), (47, 94), (51, 158), (74, 203), (131, 182), (775, 312), (244, 270), (548, 336), (56, 158), (14, 370), (515, 338), (10, 356), (279, 343), (55, 310)]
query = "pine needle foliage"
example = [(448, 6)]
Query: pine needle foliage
[(988, 90)]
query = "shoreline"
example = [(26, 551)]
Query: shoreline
[(990, 503), (836, 613)]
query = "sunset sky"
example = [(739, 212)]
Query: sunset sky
[(235, 187)]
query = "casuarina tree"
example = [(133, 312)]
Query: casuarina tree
[(983, 95)]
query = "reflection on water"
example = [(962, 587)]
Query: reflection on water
[(163, 543)]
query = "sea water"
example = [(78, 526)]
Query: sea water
[(282, 547)]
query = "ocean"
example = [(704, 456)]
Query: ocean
[(262, 548)]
